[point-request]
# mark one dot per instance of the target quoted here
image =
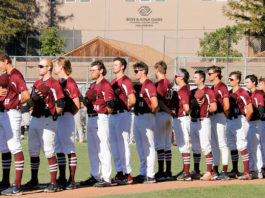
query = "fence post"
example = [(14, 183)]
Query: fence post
[(175, 64), (245, 68), (15, 61), (185, 62)]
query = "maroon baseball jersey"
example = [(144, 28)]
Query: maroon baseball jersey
[(238, 101), (203, 110), (122, 88), (16, 86), (220, 92), (104, 94), (165, 92), (256, 100), (184, 98), (70, 91), (47, 106), (143, 103)]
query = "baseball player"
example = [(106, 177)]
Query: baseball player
[(65, 136), (261, 87), (254, 132), (25, 119), (46, 101), (120, 122), (163, 122), (202, 103), (218, 122), (14, 95), (79, 122), (181, 123), (144, 123), (100, 102), (237, 125)]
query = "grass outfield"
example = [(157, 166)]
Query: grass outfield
[(232, 191), (83, 166)]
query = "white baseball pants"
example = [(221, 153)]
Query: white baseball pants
[(200, 134), (181, 127), (99, 146), (163, 131), (10, 131), (120, 125), (42, 133), (144, 137), (236, 133), (78, 125), (65, 136), (218, 139), (254, 147)]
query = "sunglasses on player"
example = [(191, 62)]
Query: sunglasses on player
[(137, 70), (41, 66), (209, 74), (231, 79)]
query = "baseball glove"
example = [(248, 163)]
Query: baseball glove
[(91, 95), (44, 90), (4, 80), (199, 94)]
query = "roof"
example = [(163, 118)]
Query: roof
[(101, 47)]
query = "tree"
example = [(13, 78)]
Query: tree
[(219, 43), (14, 22), (51, 43), (249, 15)]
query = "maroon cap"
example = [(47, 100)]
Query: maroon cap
[(44, 90), (91, 95), (4, 80)]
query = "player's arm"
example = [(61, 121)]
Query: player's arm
[(186, 108), (25, 96), (132, 100), (154, 104), (226, 106), (3, 92), (212, 107), (249, 111), (77, 105)]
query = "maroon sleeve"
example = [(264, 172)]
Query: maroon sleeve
[(184, 97), (224, 93), (20, 82), (57, 91), (127, 84), (245, 97), (150, 90), (259, 99), (109, 94), (74, 91), (211, 95)]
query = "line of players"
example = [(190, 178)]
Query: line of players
[(235, 116)]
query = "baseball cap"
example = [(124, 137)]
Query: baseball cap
[(179, 74)]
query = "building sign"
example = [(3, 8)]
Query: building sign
[(145, 19)]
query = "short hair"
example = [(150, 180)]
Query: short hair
[(253, 78), (100, 65), (262, 79), (201, 73), (141, 65), (161, 66), (66, 64), (238, 75), (48, 62), (122, 61), (217, 70), (4, 56), (186, 75)]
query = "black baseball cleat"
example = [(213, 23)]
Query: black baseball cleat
[(89, 182), (168, 176), (52, 187), (4, 185), (12, 190), (233, 174), (62, 183), (223, 176), (102, 183), (149, 180), (31, 185), (184, 177), (160, 176), (139, 179), (118, 177), (70, 186)]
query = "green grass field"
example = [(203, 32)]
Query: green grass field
[(83, 166)]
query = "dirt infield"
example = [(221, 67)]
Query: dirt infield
[(92, 191)]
